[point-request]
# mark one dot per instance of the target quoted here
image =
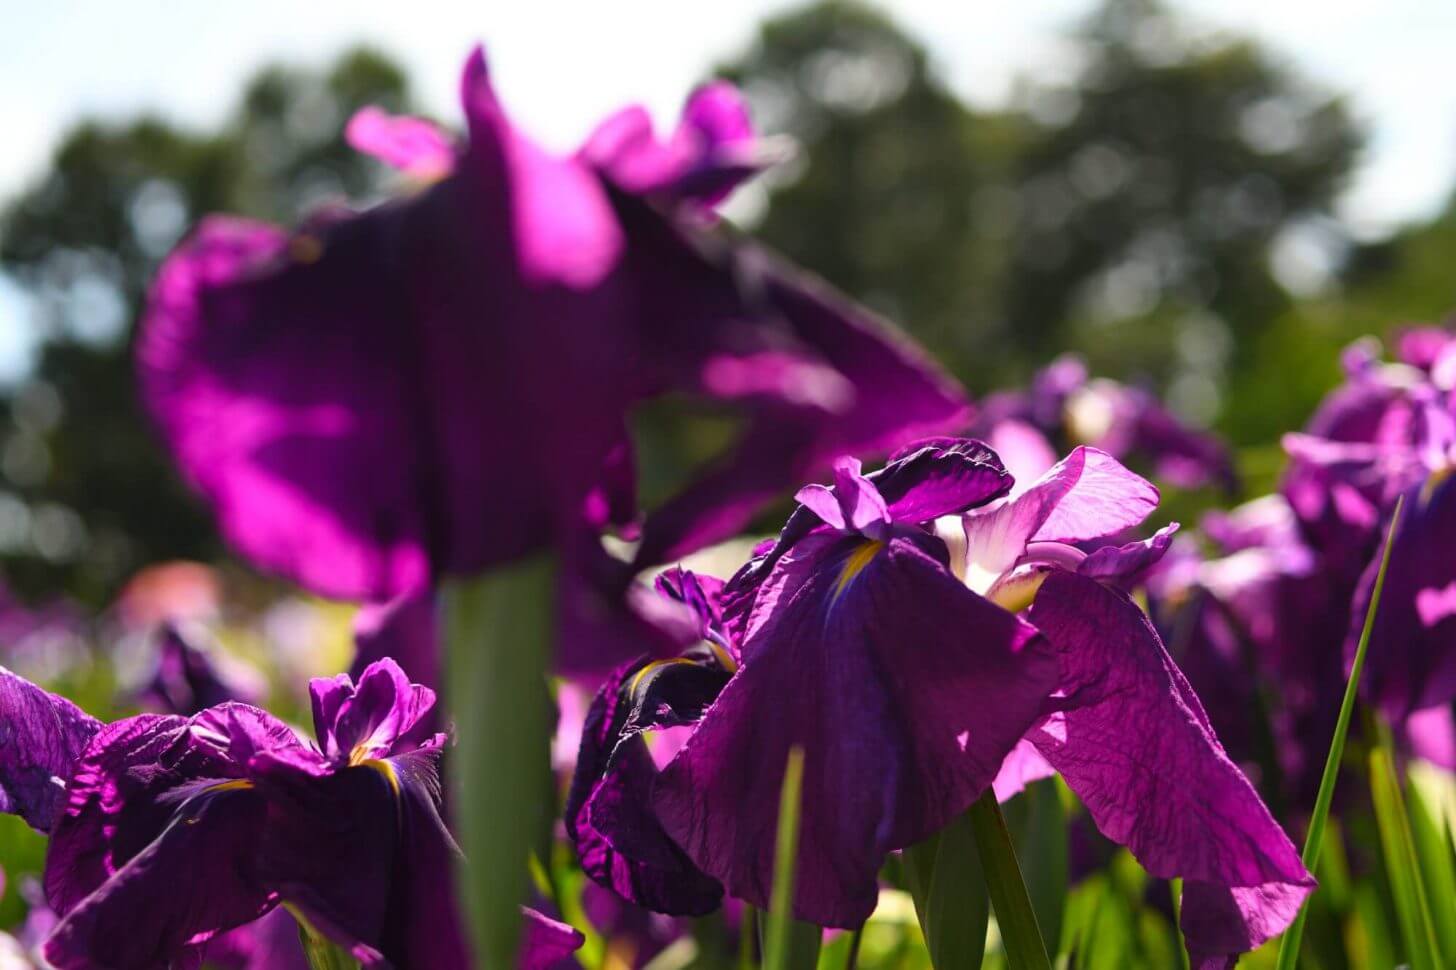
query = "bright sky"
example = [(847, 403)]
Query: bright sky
[(562, 65)]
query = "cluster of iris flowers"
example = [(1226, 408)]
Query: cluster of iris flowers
[(378, 404)]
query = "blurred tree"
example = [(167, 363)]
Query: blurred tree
[(87, 493), (1155, 193), (1130, 213), (898, 192)]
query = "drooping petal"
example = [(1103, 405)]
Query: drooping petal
[(1135, 745), (905, 691), (236, 324), (41, 737), (194, 880), (364, 855)]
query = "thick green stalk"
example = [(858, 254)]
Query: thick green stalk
[(788, 943), (1314, 838), (498, 637), (1015, 917)]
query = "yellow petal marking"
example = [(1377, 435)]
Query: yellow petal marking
[(855, 563), (655, 665)]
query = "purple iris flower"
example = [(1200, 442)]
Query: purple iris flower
[(167, 831), (1389, 431), (883, 633), (1127, 422), (188, 677), (1126, 731), (439, 384)]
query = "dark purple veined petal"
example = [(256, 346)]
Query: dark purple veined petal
[(41, 737), (609, 816), (113, 808), (192, 881), (365, 857), (942, 476), (1135, 745), (906, 691)]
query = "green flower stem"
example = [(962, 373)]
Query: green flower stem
[(498, 638)]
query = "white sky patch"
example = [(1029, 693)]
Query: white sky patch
[(562, 66)]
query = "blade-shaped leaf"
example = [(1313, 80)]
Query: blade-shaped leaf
[(1038, 826), (1437, 864), (788, 943), (944, 877), (1009, 897), (1398, 851)]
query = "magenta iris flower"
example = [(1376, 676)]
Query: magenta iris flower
[(187, 677), (1389, 431), (167, 831), (439, 384), (1064, 404), (887, 632)]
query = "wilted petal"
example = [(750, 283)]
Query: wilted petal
[(41, 737), (1134, 743), (865, 662)]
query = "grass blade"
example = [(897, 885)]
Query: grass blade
[(1412, 907), (944, 877), (1014, 915), (498, 638), (1314, 839), (788, 944), (1438, 873)]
